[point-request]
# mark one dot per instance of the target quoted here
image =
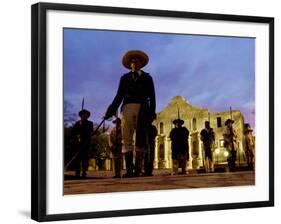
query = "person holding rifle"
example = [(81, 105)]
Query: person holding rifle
[(116, 147), (149, 155), (137, 95), (230, 137), (82, 132), (180, 149), (249, 145)]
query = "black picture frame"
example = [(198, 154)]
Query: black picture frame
[(39, 121)]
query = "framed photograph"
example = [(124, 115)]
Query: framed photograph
[(141, 111)]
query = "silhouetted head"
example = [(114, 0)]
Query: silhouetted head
[(178, 123), (84, 114), (135, 59), (229, 122)]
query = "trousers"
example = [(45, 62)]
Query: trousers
[(130, 114)]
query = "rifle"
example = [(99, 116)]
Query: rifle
[(77, 153), (232, 138)]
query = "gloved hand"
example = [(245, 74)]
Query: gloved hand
[(109, 113)]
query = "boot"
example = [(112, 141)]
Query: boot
[(84, 174), (175, 167), (117, 167), (129, 164), (139, 164), (77, 174)]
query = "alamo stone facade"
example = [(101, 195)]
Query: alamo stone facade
[(194, 120)]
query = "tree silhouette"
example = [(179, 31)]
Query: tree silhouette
[(69, 115)]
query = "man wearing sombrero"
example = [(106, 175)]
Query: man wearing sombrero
[(230, 137), (180, 149), (137, 95), (82, 132)]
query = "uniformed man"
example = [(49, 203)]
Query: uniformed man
[(230, 137), (82, 132), (137, 95), (249, 145), (208, 138), (116, 147), (149, 155), (180, 150)]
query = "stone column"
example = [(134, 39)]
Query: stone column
[(200, 156), (190, 153), (170, 154), (166, 152), (156, 153), (106, 164)]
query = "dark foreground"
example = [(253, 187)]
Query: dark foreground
[(101, 182)]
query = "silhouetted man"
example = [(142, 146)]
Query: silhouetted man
[(82, 132), (249, 145), (116, 147), (230, 137), (180, 150), (149, 154), (137, 95), (208, 138)]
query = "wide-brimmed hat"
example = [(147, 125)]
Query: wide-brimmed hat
[(140, 55), (81, 112), (228, 121), (247, 128), (178, 121), (116, 120)]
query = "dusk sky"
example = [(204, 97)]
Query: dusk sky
[(212, 72)]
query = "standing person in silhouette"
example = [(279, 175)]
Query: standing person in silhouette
[(137, 95), (249, 145), (82, 132), (116, 147), (149, 155), (180, 150), (208, 138), (230, 137)]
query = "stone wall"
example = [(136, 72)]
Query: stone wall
[(194, 120)]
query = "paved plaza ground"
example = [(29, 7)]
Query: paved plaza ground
[(102, 181)]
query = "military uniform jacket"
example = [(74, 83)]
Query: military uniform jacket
[(229, 137), (179, 137), (249, 142), (208, 137), (129, 90), (82, 132)]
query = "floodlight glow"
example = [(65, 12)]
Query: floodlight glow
[(226, 154)]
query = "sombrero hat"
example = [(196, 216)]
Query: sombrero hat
[(247, 128), (228, 121), (179, 121), (140, 55), (81, 112)]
